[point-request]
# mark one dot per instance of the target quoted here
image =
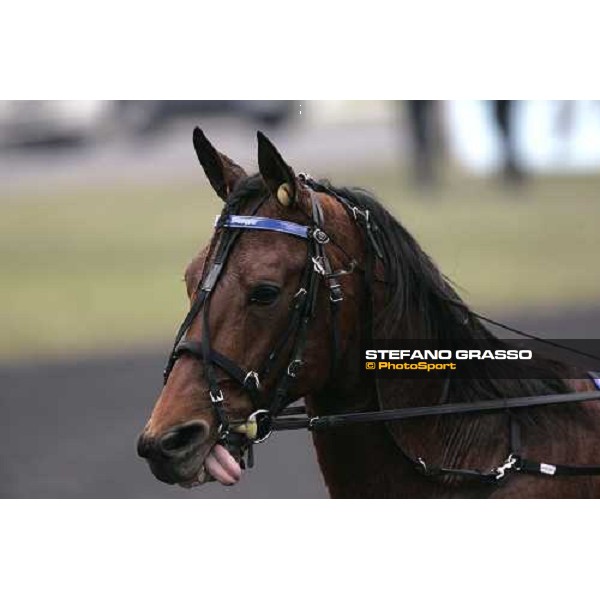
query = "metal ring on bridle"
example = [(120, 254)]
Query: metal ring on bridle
[(264, 425), (320, 236), (258, 426)]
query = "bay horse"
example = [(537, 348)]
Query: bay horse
[(297, 278)]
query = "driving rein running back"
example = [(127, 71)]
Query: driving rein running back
[(240, 437)]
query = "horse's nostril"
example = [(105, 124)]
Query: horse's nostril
[(183, 438)]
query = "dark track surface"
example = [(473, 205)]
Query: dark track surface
[(68, 430)]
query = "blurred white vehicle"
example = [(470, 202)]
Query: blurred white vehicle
[(51, 121)]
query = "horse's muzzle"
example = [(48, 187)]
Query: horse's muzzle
[(177, 455)]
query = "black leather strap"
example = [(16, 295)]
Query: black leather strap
[(196, 350), (399, 414), (532, 467)]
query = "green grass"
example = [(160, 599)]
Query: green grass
[(98, 269)]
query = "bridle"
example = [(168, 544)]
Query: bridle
[(274, 413), (318, 267)]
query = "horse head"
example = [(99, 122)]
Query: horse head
[(266, 324)]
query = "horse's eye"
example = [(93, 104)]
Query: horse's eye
[(264, 294)]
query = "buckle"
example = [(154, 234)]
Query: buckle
[(216, 399), (298, 298), (508, 465), (318, 264), (252, 375), (293, 367), (335, 293), (358, 212), (222, 432), (313, 423)]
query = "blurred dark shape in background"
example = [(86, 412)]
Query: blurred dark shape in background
[(426, 140), (504, 117), (422, 132)]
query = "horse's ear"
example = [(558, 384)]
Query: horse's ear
[(276, 173), (221, 171)]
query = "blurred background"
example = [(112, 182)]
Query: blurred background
[(102, 204)]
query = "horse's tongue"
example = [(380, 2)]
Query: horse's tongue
[(222, 466)]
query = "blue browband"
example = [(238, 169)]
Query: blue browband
[(264, 224)]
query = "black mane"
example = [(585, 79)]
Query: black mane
[(415, 285), (421, 303)]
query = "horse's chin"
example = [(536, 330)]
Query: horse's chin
[(200, 478), (218, 465)]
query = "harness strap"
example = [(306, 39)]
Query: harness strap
[(533, 467), (323, 263), (412, 412), (291, 372), (216, 395), (196, 350), (306, 312), (292, 326), (189, 318), (481, 476)]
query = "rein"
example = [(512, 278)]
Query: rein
[(279, 416)]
